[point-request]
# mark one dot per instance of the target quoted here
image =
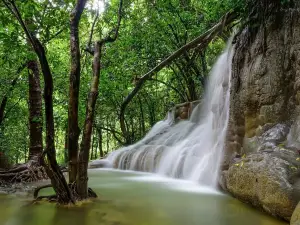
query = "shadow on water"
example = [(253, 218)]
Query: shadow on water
[(129, 198)]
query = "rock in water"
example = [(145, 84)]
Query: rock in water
[(264, 177), (262, 180)]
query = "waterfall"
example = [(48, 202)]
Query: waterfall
[(190, 149)]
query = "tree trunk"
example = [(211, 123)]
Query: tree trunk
[(35, 111), (64, 195), (93, 145), (100, 143), (107, 137), (66, 157), (2, 109), (58, 181), (60, 186), (73, 129), (142, 117), (82, 177)]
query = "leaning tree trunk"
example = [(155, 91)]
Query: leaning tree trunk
[(73, 129), (35, 111), (82, 178), (64, 195), (200, 42)]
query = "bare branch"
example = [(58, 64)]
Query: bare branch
[(109, 130)]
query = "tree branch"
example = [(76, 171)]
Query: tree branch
[(92, 30), (14, 9), (113, 131), (10, 109), (55, 35), (168, 85), (109, 129), (108, 38), (115, 31)]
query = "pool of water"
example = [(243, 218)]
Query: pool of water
[(130, 198)]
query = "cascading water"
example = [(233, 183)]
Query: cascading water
[(189, 149)]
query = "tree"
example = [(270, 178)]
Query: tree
[(73, 129), (64, 195), (90, 108), (77, 169)]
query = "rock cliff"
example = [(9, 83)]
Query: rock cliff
[(262, 155)]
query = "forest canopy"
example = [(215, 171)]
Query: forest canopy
[(149, 32)]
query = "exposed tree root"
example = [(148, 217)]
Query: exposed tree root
[(25, 173), (91, 193), (53, 198), (37, 190), (34, 171)]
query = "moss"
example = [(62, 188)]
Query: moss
[(251, 123)]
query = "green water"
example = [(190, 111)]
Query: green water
[(127, 198)]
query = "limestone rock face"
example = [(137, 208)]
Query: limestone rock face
[(265, 86), (261, 163)]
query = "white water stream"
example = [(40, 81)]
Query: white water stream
[(192, 149)]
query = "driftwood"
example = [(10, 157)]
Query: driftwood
[(200, 43)]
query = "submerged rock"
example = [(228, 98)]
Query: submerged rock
[(266, 175)]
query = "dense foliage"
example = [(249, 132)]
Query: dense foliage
[(150, 30)]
